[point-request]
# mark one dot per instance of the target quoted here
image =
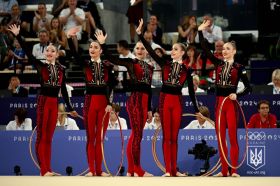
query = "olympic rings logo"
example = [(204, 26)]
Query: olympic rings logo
[(256, 136)]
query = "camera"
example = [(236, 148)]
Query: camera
[(203, 152)]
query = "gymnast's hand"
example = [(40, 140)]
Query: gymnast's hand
[(204, 25), (108, 108), (232, 96), (73, 113), (100, 36), (14, 29), (139, 28)]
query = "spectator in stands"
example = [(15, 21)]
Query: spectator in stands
[(212, 33), (18, 18), (157, 76), (40, 48), (196, 82), (187, 30), (155, 121), (57, 28), (218, 52), (93, 20), (21, 121), (124, 52), (64, 120), (42, 19), (55, 41), (276, 81), (263, 119), (200, 123), (6, 7), (194, 61), (16, 58), (149, 38), (5, 42), (16, 89), (58, 5), (134, 13), (73, 17), (113, 120), (153, 27)]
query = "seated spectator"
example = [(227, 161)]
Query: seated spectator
[(154, 28), (193, 60), (42, 19), (5, 42), (73, 17), (196, 82), (64, 120), (149, 38), (92, 17), (124, 52), (187, 30), (276, 81), (39, 48), (213, 32), (113, 120), (16, 89), (57, 28), (155, 123), (20, 122), (200, 123), (16, 58), (263, 119), (6, 7)]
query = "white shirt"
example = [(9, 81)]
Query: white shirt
[(122, 68), (38, 52), (115, 126), (195, 125), (217, 34), (151, 126), (71, 21), (26, 125), (69, 124), (129, 55), (41, 23), (185, 91), (275, 90)]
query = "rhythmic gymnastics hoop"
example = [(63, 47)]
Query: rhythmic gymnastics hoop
[(219, 134), (102, 146), (159, 164), (30, 147)]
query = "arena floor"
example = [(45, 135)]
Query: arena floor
[(128, 181)]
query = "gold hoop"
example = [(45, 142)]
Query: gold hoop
[(102, 146), (32, 156), (159, 164), (219, 134)]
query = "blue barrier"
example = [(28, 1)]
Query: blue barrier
[(69, 150), (248, 103)]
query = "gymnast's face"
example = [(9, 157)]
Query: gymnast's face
[(95, 50), (228, 51), (51, 53), (140, 51)]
